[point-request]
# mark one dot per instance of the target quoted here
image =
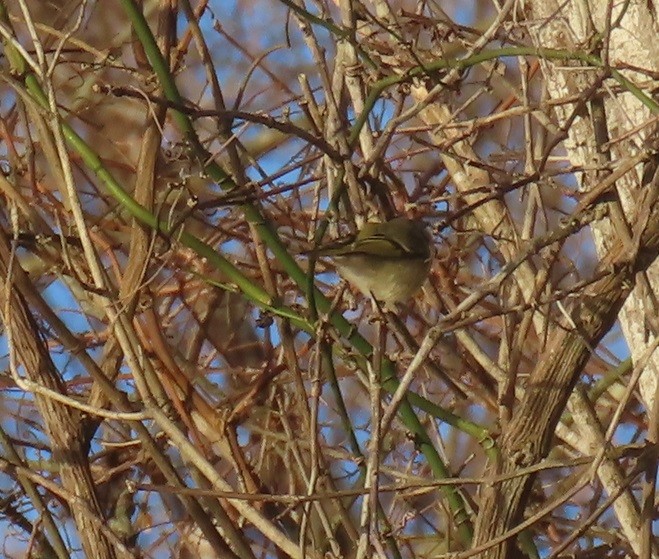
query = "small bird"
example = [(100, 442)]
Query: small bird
[(388, 261)]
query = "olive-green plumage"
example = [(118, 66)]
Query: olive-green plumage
[(388, 260)]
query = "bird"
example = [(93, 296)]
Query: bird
[(389, 261)]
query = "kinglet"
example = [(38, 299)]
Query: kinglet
[(387, 260)]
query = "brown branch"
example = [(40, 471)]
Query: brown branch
[(529, 436), (62, 423)]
